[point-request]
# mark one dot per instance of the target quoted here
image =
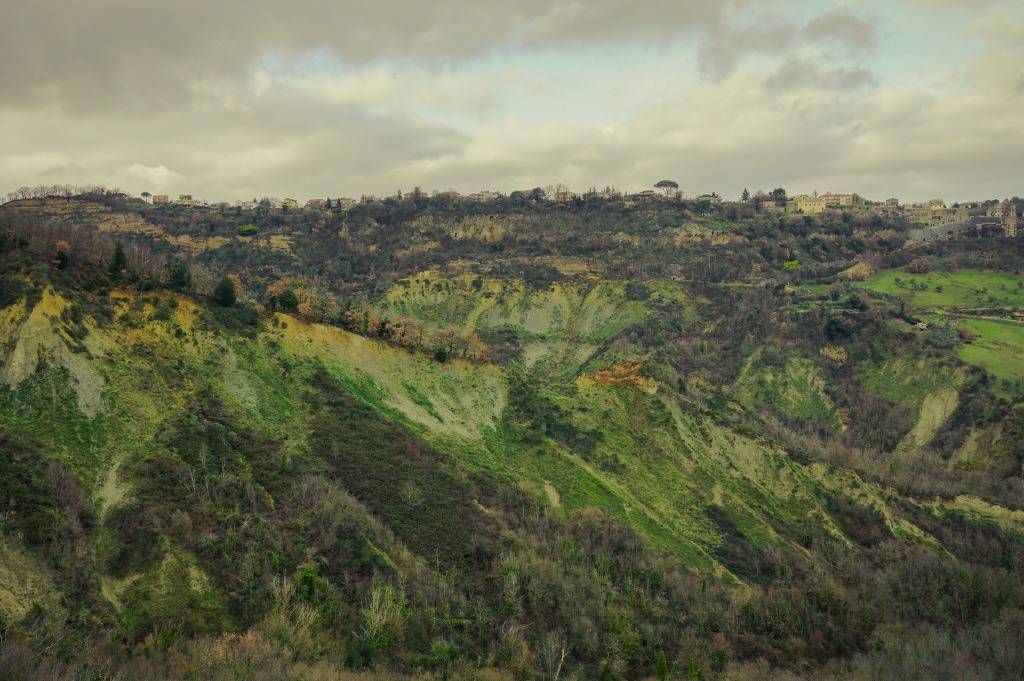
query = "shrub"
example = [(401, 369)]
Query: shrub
[(288, 301), (224, 294), (919, 266), (177, 275), (12, 288), (62, 255), (636, 290), (240, 319), (836, 353), (383, 615), (941, 337), (163, 311)]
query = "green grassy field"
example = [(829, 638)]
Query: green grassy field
[(963, 288), (999, 347)]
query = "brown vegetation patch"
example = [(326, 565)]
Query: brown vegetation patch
[(836, 353), (858, 272), (625, 374)]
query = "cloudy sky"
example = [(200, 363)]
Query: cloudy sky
[(235, 99)]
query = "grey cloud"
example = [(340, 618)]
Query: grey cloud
[(105, 53), (720, 136), (795, 74), (720, 54), (848, 29), (285, 141), (56, 172), (147, 55)]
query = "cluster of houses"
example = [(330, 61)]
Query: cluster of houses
[(343, 202), (932, 219), (1010, 216), (188, 201)]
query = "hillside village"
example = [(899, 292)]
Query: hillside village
[(928, 220)]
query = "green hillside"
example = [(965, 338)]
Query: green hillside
[(495, 471)]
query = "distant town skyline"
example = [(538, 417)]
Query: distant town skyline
[(558, 190), (916, 99)]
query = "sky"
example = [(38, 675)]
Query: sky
[(239, 99)]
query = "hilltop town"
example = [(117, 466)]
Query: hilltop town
[(927, 221)]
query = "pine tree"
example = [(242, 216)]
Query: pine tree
[(746, 195), (120, 262), (224, 294)]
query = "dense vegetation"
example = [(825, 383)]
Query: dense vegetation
[(437, 439)]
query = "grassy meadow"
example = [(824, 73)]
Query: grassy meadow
[(998, 347), (962, 288)]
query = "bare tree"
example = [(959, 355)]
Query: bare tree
[(553, 651)]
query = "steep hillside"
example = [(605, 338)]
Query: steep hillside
[(123, 224), (614, 478)]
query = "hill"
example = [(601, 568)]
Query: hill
[(539, 443)]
